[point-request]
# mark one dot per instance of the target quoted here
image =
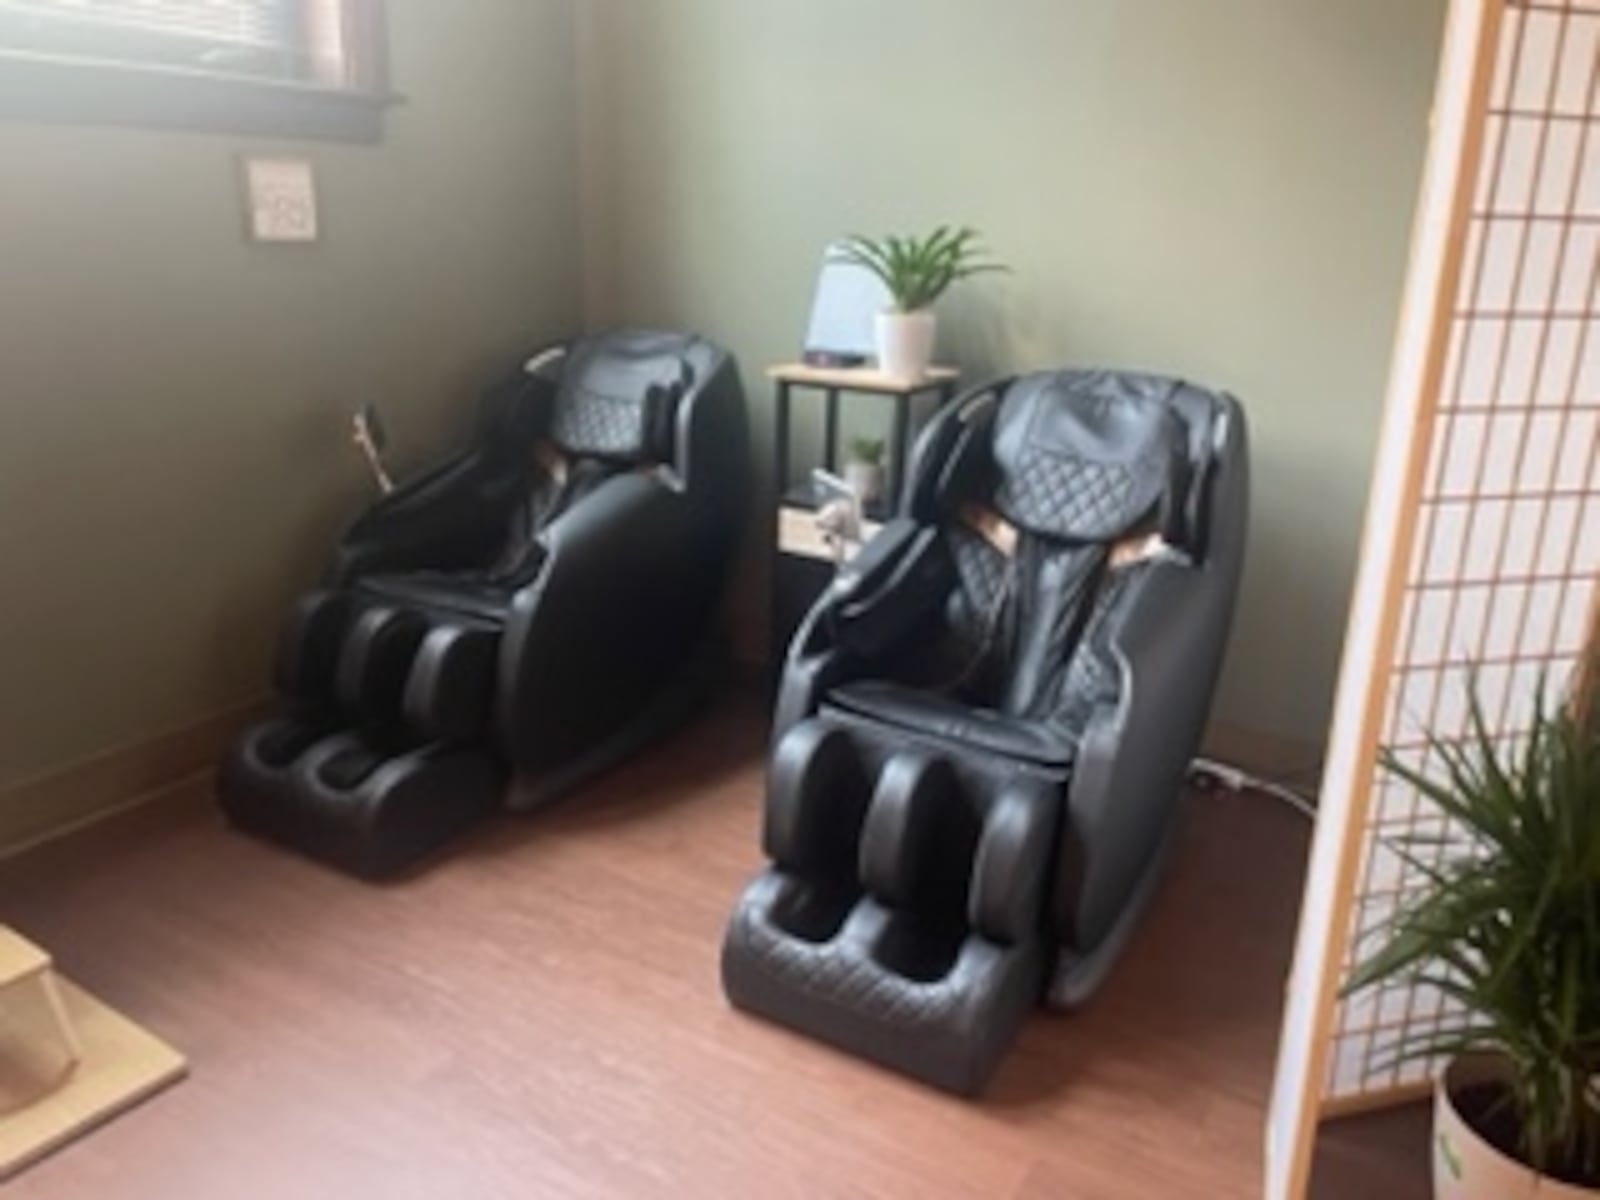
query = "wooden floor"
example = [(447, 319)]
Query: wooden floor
[(539, 1016), (1382, 1155)]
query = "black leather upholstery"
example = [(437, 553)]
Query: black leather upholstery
[(983, 727), (514, 620)]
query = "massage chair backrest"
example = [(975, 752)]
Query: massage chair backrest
[(1074, 462), (1079, 457), (620, 398)]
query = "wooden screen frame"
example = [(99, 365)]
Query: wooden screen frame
[(1438, 240), (1458, 420)]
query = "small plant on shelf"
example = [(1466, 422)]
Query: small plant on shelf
[(863, 469), (867, 450), (916, 271), (1509, 930)]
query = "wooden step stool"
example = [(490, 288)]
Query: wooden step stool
[(39, 1049), (67, 1061)]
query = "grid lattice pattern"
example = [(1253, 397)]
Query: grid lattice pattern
[(1502, 573)]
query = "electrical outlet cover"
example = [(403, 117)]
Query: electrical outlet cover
[(282, 198)]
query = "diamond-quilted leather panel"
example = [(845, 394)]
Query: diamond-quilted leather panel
[(1083, 467), (838, 973), (981, 570), (1069, 497), (588, 422)]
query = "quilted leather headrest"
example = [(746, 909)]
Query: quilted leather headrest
[(1086, 466), (619, 402)]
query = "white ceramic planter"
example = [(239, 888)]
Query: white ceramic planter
[(1465, 1166), (865, 479), (905, 343)]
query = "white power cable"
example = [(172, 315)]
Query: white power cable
[(1236, 780)]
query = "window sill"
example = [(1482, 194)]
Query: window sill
[(35, 87)]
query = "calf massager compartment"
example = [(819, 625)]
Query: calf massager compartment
[(381, 757), (901, 918), (514, 621), (984, 726)]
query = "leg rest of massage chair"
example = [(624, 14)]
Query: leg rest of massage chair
[(308, 650), (384, 778), (368, 809), (387, 662), (900, 919), (253, 779)]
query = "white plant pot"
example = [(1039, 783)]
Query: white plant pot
[(1465, 1165), (905, 343), (865, 479)]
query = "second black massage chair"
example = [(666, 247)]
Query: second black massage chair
[(508, 624), (984, 725)]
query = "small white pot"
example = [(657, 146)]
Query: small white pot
[(865, 479), (1465, 1166), (905, 343)]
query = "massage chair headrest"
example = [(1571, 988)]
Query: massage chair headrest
[(1075, 455), (618, 397), (1081, 467), (614, 396)]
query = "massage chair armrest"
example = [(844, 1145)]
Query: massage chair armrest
[(874, 592), (876, 561), (1135, 753), (428, 521), (626, 584), (634, 527)]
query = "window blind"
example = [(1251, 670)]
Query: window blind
[(251, 22), (314, 68), (249, 36)]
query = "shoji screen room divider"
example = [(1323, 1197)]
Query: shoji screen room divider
[(1482, 542)]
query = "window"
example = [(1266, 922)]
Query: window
[(289, 67)]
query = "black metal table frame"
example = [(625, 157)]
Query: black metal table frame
[(899, 450)]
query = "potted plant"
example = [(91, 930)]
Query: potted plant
[(863, 469), (1510, 932), (916, 271)]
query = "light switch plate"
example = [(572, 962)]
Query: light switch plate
[(281, 196)]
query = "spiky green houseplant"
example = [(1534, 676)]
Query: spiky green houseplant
[(867, 450), (1510, 928), (918, 270)]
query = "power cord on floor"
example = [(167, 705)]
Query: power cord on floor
[(1207, 771)]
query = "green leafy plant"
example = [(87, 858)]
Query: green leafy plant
[(867, 450), (917, 271), (1511, 929)]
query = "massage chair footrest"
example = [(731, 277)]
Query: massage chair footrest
[(903, 916), (860, 987), (370, 810)]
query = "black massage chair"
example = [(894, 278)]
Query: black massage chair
[(984, 726), (506, 625)]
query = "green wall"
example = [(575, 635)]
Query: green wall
[(173, 460), (1218, 189)]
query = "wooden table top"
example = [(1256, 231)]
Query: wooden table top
[(861, 379)]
